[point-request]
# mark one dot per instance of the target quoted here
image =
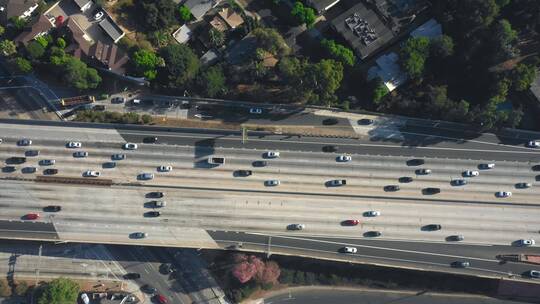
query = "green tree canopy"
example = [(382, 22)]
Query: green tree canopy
[(217, 38), (181, 65), (156, 14), (324, 78), (22, 65), (442, 47), (185, 13), (2, 30), (271, 41), (472, 14), (35, 50), (504, 41), (60, 42), (7, 48), (146, 63), (379, 90), (212, 81), (60, 291), (303, 14), (523, 76), (339, 52), (77, 74), (414, 54)]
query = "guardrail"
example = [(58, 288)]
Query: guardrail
[(73, 180)]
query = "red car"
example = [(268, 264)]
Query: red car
[(351, 222), (161, 299), (31, 216)]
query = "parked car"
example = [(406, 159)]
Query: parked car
[(29, 170), (130, 146), (80, 154), (271, 183), (372, 213), (344, 158), (296, 227), (31, 153), (272, 154), (99, 15), (74, 144), (153, 213), (24, 142), (349, 250), (161, 299), (158, 204), (470, 173), (9, 169), (118, 99), (503, 194)]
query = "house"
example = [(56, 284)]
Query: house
[(83, 4), (230, 17), (112, 29), (322, 6), (16, 8), (387, 68), (219, 24), (183, 34), (41, 27), (199, 8)]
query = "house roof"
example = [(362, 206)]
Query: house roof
[(81, 3), (109, 55), (182, 34), (322, 5), (12, 8), (389, 71), (112, 29), (430, 29), (42, 25), (219, 24), (199, 7), (232, 18), (80, 37)]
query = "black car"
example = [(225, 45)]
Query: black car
[(365, 121), (8, 169), (155, 194), (458, 182), (330, 121), (148, 289), (29, 170), (330, 148), (50, 171), (31, 153), (153, 213), (150, 139), (431, 191), (109, 165), (460, 264), (52, 208), (391, 188), (372, 234), (16, 160), (243, 172), (415, 162), (405, 179), (536, 168), (132, 276), (260, 163), (432, 227), (455, 238)]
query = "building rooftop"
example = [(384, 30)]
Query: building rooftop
[(112, 29), (42, 25), (182, 34), (199, 8), (230, 17), (388, 70), (81, 3), (12, 8), (430, 29)]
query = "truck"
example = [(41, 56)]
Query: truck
[(216, 160), (523, 258), (77, 100)]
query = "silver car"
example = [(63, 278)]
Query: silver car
[(271, 183), (146, 176)]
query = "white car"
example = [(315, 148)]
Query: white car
[(98, 15), (255, 111), (74, 144), (470, 173), (533, 144), (164, 168), (350, 249), (534, 274), (526, 242), (24, 142), (271, 183), (503, 194), (272, 154), (130, 146), (344, 158), (91, 173), (146, 176), (373, 213), (487, 166)]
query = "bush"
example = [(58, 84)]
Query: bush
[(286, 276), (5, 291), (112, 117), (21, 288), (60, 290)]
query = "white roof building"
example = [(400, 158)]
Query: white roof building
[(183, 34)]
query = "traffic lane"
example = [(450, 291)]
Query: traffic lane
[(337, 295), (27, 229)]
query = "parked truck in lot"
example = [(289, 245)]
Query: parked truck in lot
[(77, 100), (216, 160)]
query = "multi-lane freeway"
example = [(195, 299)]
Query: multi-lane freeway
[(210, 206)]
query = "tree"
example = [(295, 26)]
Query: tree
[(246, 267), (212, 81), (2, 30), (61, 43), (43, 40), (35, 50), (271, 41), (146, 63), (60, 291), (156, 14), (217, 38), (413, 56), (291, 69), (269, 274), (22, 65), (523, 76), (18, 22), (323, 79), (504, 39), (7, 48), (442, 47), (77, 74), (472, 14), (5, 290), (379, 90), (303, 14), (181, 65), (339, 52), (185, 13)]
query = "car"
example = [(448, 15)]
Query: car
[(349, 250), (74, 144), (470, 173), (296, 227), (16, 160), (365, 121), (52, 208), (391, 188), (150, 139), (503, 194), (118, 99), (118, 156), (109, 165), (30, 153), (534, 274), (9, 169), (455, 238), (85, 299), (139, 235), (337, 182), (161, 299), (29, 170), (24, 142), (330, 121), (272, 154), (243, 173), (155, 194), (432, 227), (372, 234), (158, 204), (415, 162), (486, 166), (405, 179), (50, 171), (271, 183), (1, 141), (99, 15), (164, 168), (47, 162), (259, 163), (536, 168), (255, 111), (148, 289), (153, 213), (526, 242), (31, 216), (130, 146), (91, 173), (458, 182), (132, 276), (145, 176), (431, 191), (460, 264), (80, 154), (185, 104), (350, 222), (330, 148), (533, 144), (372, 213), (423, 171), (523, 185), (343, 158)]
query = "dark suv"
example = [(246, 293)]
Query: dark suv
[(155, 194), (432, 227), (50, 171)]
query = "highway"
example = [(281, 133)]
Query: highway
[(207, 206)]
